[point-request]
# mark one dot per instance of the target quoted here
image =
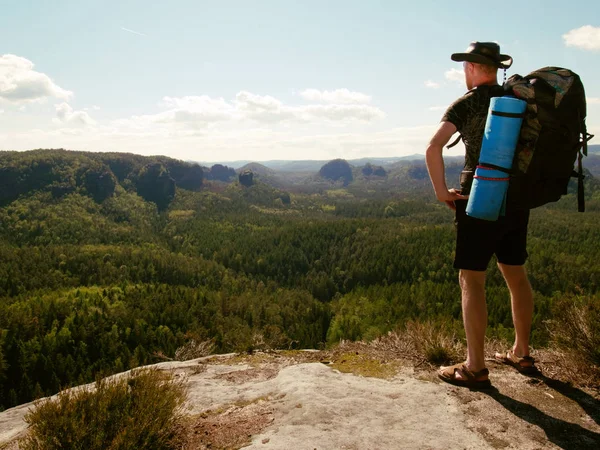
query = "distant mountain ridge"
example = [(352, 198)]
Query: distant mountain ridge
[(314, 165)]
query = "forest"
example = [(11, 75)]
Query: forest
[(110, 261)]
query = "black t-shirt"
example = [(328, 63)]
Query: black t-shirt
[(469, 114)]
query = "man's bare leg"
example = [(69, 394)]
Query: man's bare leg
[(474, 309), (521, 296)]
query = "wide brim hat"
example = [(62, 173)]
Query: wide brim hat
[(487, 53)]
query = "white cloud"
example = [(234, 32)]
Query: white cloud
[(19, 83), (209, 128), (593, 100), (66, 115), (455, 75), (339, 96), (262, 108), (1, 111), (432, 84), (437, 108), (269, 109), (193, 112), (586, 37), (198, 112), (198, 109)]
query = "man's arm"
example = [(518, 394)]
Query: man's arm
[(435, 165)]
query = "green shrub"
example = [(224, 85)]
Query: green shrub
[(138, 411)]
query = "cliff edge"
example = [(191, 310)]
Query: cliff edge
[(352, 399)]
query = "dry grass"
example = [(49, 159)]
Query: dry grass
[(141, 410), (570, 359), (435, 344), (568, 368), (194, 349), (417, 344), (575, 336)]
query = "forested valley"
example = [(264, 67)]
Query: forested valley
[(110, 261)]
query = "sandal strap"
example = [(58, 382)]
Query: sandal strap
[(464, 372), (481, 373), (519, 359)]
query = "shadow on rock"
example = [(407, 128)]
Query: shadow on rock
[(588, 403), (565, 435)]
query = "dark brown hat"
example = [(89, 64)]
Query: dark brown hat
[(484, 53)]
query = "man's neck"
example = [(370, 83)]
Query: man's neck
[(486, 82)]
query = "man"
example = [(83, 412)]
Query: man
[(478, 240)]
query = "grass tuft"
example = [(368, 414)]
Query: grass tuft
[(436, 343), (141, 410), (575, 334), (194, 349)]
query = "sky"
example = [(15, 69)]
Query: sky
[(265, 79)]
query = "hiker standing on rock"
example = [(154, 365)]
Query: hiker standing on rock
[(477, 240)]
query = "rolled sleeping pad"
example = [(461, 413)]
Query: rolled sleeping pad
[(502, 129), (488, 193)]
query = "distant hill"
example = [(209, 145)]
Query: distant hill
[(592, 163), (257, 169), (314, 165), (421, 161), (279, 165), (385, 161), (369, 170), (337, 169), (219, 172), (296, 166), (97, 175)]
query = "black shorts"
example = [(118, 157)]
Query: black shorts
[(478, 240)]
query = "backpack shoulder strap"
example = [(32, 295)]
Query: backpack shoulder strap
[(494, 91), (454, 142)]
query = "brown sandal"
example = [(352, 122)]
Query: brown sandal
[(474, 380), (525, 364)]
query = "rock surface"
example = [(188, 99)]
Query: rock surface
[(300, 400)]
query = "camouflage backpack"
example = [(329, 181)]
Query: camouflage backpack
[(552, 137)]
